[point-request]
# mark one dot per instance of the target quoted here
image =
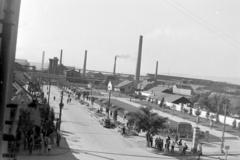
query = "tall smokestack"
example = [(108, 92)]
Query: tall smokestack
[(156, 72), (114, 68), (85, 63), (43, 56), (61, 56), (138, 67)]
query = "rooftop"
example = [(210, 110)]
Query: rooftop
[(123, 83)]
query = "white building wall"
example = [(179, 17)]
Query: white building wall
[(229, 120)]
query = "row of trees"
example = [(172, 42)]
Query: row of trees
[(215, 103)]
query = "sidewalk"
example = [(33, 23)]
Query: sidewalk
[(57, 153), (63, 149)]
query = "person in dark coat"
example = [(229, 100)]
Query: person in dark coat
[(176, 138), (185, 147), (123, 130), (151, 140), (31, 143), (58, 139)]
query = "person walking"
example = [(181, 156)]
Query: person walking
[(180, 142), (161, 144), (185, 147), (172, 146), (199, 151), (176, 138), (156, 142), (25, 142), (151, 140), (123, 130), (30, 144), (49, 147), (41, 142), (58, 138), (45, 144)]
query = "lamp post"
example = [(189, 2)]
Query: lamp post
[(109, 89), (223, 131), (60, 108)]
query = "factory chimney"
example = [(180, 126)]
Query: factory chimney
[(156, 72), (114, 68), (138, 67), (85, 63), (43, 56), (61, 56)]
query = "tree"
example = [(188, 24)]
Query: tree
[(147, 121), (204, 101), (217, 102), (235, 110), (198, 113), (195, 98), (162, 102)]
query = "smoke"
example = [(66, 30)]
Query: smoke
[(124, 56)]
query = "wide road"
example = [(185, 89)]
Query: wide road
[(89, 140)]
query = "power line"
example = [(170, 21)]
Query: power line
[(203, 25), (206, 22)]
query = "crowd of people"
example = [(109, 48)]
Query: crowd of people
[(168, 146), (37, 138)]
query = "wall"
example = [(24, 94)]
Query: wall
[(229, 120)]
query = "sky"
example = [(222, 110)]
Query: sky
[(194, 38)]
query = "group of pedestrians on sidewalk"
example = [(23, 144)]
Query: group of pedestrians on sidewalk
[(170, 146), (37, 138)]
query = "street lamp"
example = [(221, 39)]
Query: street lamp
[(60, 108), (223, 131)]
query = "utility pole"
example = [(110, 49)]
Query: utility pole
[(110, 89), (223, 131), (60, 107)]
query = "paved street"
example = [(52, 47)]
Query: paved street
[(88, 140)]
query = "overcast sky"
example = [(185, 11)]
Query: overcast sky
[(189, 37)]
